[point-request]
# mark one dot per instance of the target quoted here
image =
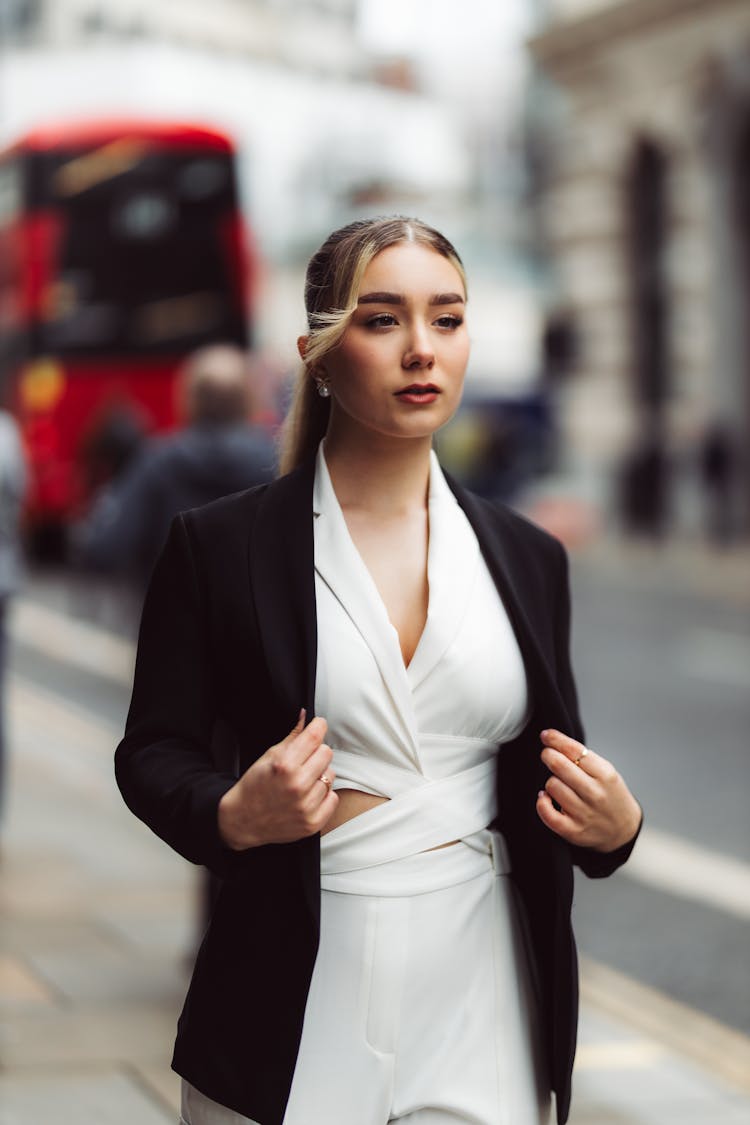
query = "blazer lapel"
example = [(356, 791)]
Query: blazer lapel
[(283, 585)]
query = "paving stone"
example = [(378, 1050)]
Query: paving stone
[(83, 1098), (162, 919), (676, 1113), (104, 1034), (666, 1083), (20, 987), (594, 1114), (622, 1078), (594, 1027), (619, 1055), (21, 934), (162, 1080), (109, 975), (172, 934)]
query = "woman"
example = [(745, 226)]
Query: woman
[(432, 979)]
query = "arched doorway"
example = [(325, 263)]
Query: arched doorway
[(644, 476)]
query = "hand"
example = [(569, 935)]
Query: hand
[(597, 810), (281, 797)]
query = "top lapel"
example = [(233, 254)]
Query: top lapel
[(283, 585), (453, 560), (342, 568)]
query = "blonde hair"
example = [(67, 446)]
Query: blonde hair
[(332, 283)]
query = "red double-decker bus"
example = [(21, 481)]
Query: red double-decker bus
[(122, 249)]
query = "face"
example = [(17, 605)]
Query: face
[(399, 368)]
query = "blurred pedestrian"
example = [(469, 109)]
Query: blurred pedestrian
[(219, 450), (13, 478), (643, 488), (719, 470), (114, 437), (378, 950)]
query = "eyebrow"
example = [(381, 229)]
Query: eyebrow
[(399, 299)]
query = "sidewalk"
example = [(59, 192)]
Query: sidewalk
[(688, 564), (97, 925), (683, 558)]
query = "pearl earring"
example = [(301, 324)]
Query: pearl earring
[(324, 390)]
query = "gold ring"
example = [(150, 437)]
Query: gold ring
[(326, 780), (580, 757)]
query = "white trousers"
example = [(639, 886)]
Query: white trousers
[(420, 1009)]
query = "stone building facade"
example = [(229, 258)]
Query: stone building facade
[(645, 209), (318, 36)]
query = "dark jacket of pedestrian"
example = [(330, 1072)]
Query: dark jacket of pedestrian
[(219, 452)]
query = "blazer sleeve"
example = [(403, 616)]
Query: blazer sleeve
[(163, 765), (593, 863)]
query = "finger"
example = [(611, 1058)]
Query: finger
[(575, 751), (325, 810), (298, 749), (566, 797), (319, 763), (298, 727), (568, 746), (560, 823), (321, 789), (577, 779)]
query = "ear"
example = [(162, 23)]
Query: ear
[(317, 370)]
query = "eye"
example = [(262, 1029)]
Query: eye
[(381, 320), (450, 321)]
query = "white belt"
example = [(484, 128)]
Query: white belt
[(418, 820)]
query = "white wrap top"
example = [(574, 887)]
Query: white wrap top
[(425, 735)]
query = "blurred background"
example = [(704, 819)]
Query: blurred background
[(165, 172)]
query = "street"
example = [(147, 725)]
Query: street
[(99, 916), (664, 681)]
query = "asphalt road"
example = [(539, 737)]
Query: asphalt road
[(664, 683), (663, 674)]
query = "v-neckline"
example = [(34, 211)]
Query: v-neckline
[(452, 563), (371, 579), (407, 664), (381, 600)]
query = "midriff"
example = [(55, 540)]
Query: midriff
[(353, 802)]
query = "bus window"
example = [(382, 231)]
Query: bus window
[(144, 265)]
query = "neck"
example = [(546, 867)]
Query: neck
[(378, 474)]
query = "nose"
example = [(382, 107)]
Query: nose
[(419, 353)]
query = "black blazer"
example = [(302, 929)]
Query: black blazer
[(226, 658)]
